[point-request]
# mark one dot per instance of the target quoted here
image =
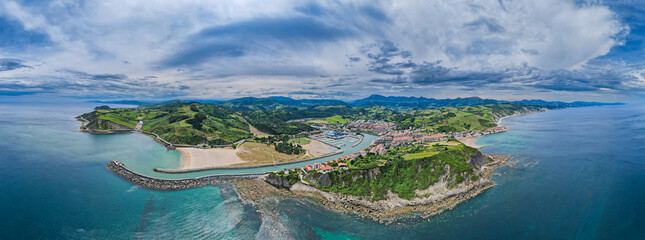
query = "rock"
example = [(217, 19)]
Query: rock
[(173, 184), (478, 160), (319, 178), (278, 181)]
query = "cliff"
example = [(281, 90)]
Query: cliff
[(428, 185), (278, 181), (100, 124), (440, 196)]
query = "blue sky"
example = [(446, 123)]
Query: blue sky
[(548, 49)]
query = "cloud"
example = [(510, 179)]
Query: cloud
[(387, 58), (83, 84), (259, 34), (16, 38), (102, 77), (8, 64), (219, 49), (596, 76)]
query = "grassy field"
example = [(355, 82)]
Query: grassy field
[(419, 155), (336, 120), (451, 119), (119, 120), (182, 123), (317, 121), (300, 141), (410, 168), (449, 143)]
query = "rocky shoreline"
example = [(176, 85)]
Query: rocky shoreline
[(256, 191), (253, 189)]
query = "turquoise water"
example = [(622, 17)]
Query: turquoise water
[(579, 174)]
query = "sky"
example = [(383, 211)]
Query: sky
[(501, 49)]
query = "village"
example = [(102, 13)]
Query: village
[(388, 138)]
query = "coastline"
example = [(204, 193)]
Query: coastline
[(253, 189), (470, 141), (499, 120), (257, 191)]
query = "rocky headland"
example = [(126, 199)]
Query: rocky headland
[(437, 198)]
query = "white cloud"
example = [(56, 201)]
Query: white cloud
[(134, 38)]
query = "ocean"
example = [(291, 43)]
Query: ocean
[(577, 173)]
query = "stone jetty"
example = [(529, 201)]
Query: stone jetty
[(175, 184)]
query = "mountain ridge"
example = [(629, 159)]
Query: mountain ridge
[(374, 100)]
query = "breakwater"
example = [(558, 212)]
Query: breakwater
[(360, 140), (163, 170), (174, 184)]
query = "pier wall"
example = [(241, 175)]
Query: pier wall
[(174, 184)]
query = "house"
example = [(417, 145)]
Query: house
[(139, 125), (326, 169), (342, 165), (363, 153), (311, 167), (436, 137)]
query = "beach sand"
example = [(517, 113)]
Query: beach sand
[(201, 158), (469, 141), (248, 153), (316, 148)]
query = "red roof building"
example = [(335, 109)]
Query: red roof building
[(326, 169)]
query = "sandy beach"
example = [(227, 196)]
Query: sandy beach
[(469, 141), (247, 154), (202, 158), (317, 148)]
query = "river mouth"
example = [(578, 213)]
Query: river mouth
[(147, 167)]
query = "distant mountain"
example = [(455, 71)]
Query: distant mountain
[(422, 102), (272, 103), (126, 102), (559, 104), (392, 102)]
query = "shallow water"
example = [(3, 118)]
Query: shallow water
[(579, 173)]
